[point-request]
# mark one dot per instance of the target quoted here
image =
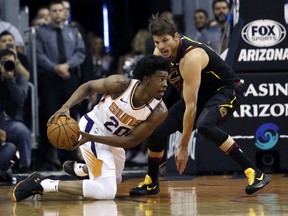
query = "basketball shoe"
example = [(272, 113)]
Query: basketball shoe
[(145, 188), (28, 187), (256, 180), (68, 167)]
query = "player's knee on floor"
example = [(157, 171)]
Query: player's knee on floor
[(105, 188)]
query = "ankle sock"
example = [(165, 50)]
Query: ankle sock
[(79, 169), (238, 155), (50, 185)]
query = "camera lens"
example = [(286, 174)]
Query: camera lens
[(9, 65)]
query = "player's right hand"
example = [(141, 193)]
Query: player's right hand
[(181, 158), (62, 111)]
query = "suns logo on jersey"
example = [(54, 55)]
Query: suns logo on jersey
[(123, 117)]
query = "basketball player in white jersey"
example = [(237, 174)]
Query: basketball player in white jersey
[(127, 114)]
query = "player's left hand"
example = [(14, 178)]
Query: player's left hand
[(84, 137), (181, 158)]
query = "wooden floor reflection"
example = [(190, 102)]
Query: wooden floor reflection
[(201, 195)]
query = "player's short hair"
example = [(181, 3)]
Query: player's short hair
[(148, 66), (161, 25)]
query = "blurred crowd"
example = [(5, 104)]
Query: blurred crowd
[(68, 56)]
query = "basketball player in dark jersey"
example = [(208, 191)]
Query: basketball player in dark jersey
[(211, 93)]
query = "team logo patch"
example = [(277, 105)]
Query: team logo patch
[(223, 111)]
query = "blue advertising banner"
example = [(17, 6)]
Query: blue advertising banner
[(259, 39)]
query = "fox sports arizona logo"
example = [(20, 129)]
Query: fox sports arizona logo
[(263, 33)]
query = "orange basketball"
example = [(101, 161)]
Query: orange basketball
[(64, 134)]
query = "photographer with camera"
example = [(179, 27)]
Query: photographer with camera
[(13, 92), (7, 41)]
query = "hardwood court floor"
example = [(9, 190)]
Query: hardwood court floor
[(189, 195)]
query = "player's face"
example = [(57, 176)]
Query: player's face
[(166, 45), (157, 84)]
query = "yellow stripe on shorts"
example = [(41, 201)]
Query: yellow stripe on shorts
[(93, 163)]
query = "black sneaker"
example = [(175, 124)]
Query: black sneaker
[(145, 188), (68, 167), (256, 180), (28, 187)]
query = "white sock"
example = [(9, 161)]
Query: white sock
[(79, 169), (50, 185)]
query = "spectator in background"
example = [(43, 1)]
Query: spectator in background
[(127, 62), (13, 91), (201, 20), (86, 66), (42, 17), (6, 26), (102, 61), (103, 65), (22, 65), (7, 154), (213, 35), (67, 6), (60, 51)]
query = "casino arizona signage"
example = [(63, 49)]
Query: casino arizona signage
[(276, 54), (264, 99)]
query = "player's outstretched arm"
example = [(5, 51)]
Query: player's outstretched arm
[(112, 85), (138, 134)]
